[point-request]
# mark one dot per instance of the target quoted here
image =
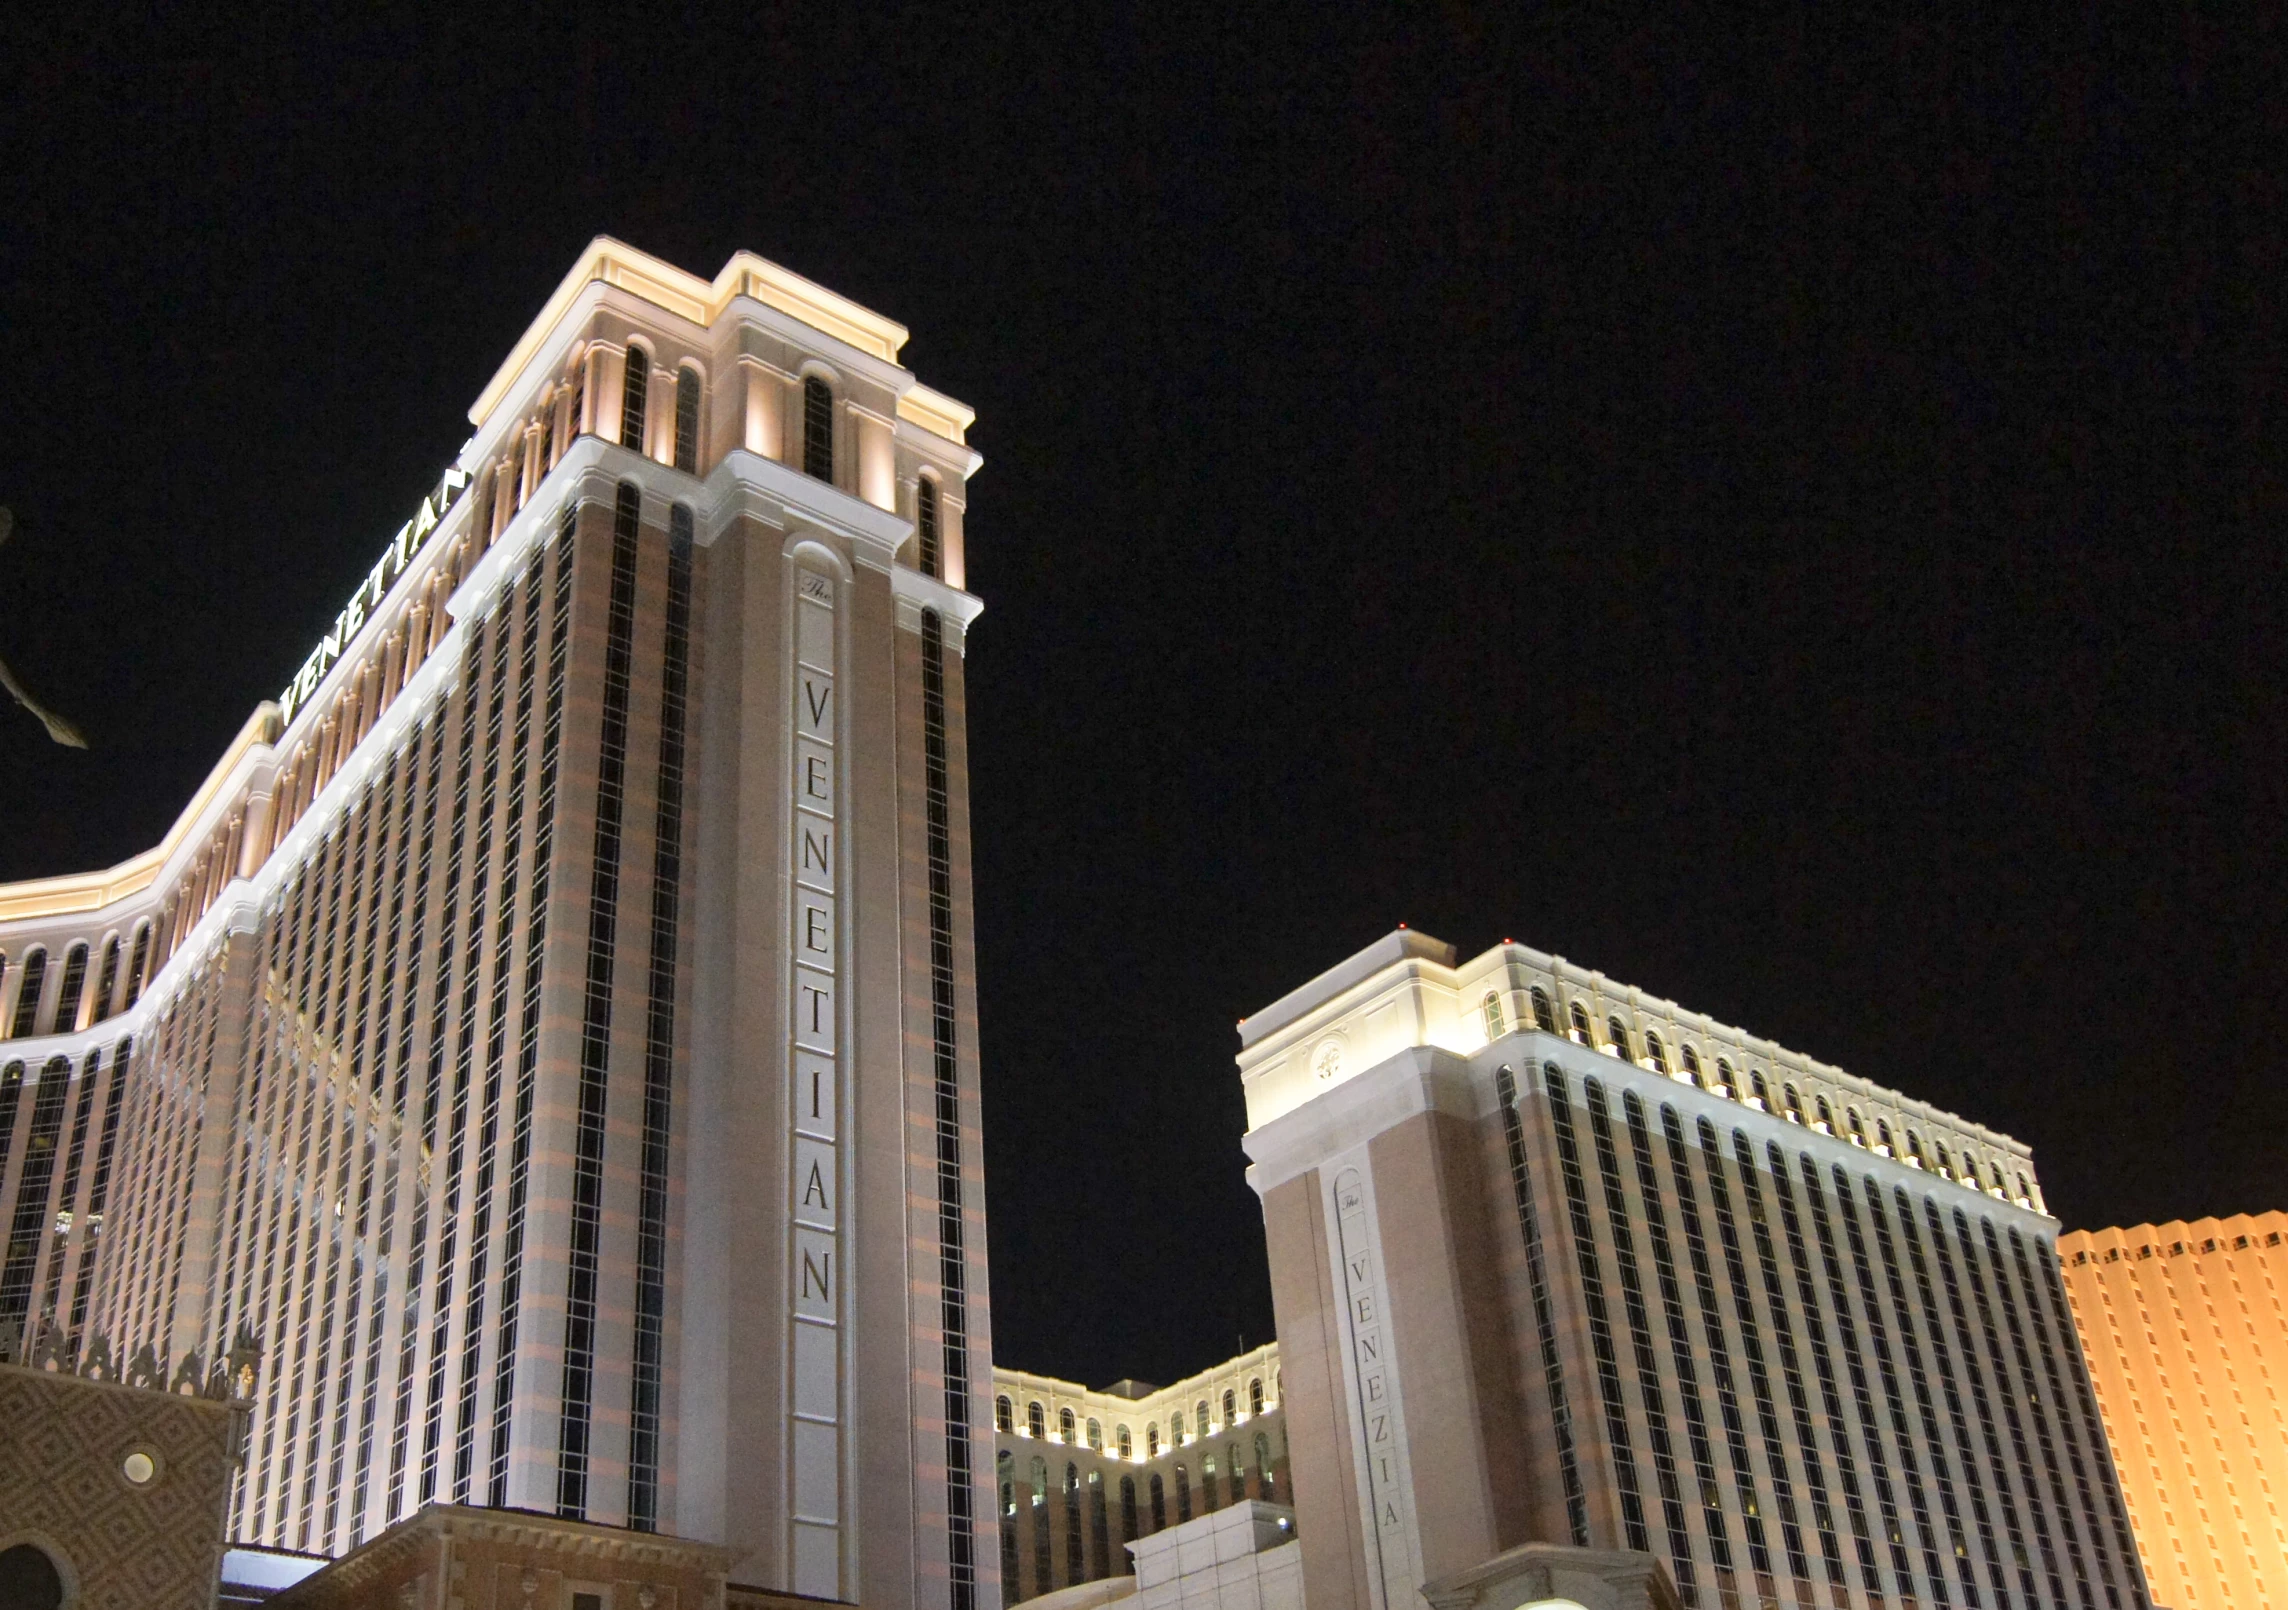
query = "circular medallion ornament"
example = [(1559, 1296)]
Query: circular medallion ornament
[(1327, 1061)]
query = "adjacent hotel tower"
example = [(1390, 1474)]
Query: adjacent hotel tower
[(549, 1032), (2182, 1324), (1557, 1262)]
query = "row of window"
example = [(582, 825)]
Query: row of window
[(2177, 1249), (1961, 1334), (1988, 1175), (1093, 1541), (1037, 1422), (64, 1015)]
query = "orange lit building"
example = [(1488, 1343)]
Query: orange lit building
[(2182, 1326)]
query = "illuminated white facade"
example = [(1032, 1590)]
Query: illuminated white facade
[(1084, 1473), (550, 1031), (1571, 1281)]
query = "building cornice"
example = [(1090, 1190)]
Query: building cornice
[(956, 609), (77, 892), (701, 302)]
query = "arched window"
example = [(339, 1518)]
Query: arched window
[(1127, 1443), (1620, 1033), (1255, 1396), (1794, 1104), (818, 429), (1230, 1405), (1915, 1150), (1152, 1440), (1183, 1495), (1655, 1050), (67, 998), (1004, 1413), (29, 1578), (1724, 1078), (1495, 1026), (1036, 1419), (687, 420), (139, 962), (1581, 1029), (1945, 1165), (2025, 1191), (931, 558), (1544, 1018), (1263, 1467), (1757, 1088), (1826, 1125), (1692, 1067), (1176, 1429), (106, 980), (28, 990), (1159, 1503), (1040, 1481), (1858, 1129), (1065, 1425), (1200, 1418), (633, 395), (1096, 1434), (1127, 1521), (1209, 1497), (1883, 1137)]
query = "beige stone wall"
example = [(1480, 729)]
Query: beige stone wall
[(64, 1443), (2187, 1341)]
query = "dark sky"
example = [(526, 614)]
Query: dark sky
[(1790, 519)]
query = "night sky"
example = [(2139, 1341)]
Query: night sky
[(1790, 520)]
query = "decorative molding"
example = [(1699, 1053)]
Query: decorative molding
[(915, 592)]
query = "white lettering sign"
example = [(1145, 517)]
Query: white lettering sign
[(391, 565)]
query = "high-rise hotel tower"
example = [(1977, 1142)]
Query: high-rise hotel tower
[(549, 1032), (1569, 1276)]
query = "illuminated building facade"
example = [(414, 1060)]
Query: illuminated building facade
[(1570, 1278), (2183, 1326), (1085, 1473), (549, 1031)]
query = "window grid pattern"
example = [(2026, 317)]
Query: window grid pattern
[(1934, 1329), (1894, 1400), (99, 1192), (1759, 1372), (31, 982), (2037, 1407), (528, 1025), (932, 560), (1618, 1219), (2029, 1488), (502, 984), (1600, 1323), (634, 396), (1544, 1320), (659, 1032), (459, 1050), (1719, 1353), (417, 1239), (33, 1183), (1791, 1365), (817, 429), (67, 1197), (953, 1273), (687, 420), (596, 1020), (1815, 1324), (1679, 1328), (1985, 1418)]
